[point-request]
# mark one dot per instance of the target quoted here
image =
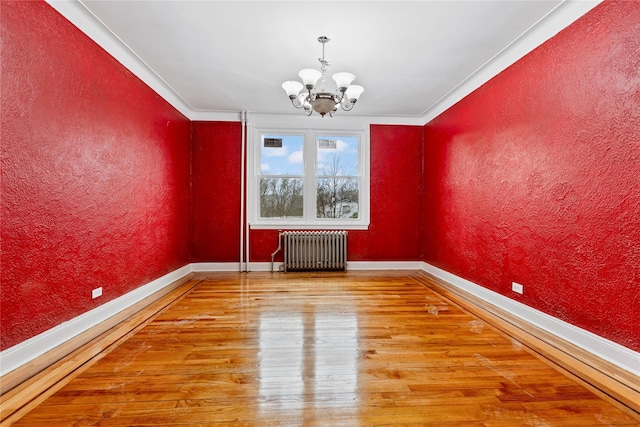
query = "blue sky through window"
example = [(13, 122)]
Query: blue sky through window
[(289, 159), (285, 160), (340, 151)]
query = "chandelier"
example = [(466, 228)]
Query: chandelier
[(320, 100)]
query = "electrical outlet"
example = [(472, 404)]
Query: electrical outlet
[(517, 287), (96, 293)]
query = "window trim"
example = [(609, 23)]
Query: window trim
[(310, 222)]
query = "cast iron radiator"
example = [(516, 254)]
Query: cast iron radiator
[(315, 250)]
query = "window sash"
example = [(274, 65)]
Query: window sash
[(279, 199), (311, 177), (338, 201)]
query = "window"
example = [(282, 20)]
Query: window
[(308, 179), (337, 176), (281, 181)]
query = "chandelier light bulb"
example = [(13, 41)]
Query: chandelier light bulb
[(310, 77), (292, 88), (354, 92), (343, 80)]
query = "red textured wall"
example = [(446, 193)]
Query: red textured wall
[(396, 202), (95, 175), (535, 178), (396, 197), (216, 151)]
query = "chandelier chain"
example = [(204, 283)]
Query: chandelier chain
[(323, 62)]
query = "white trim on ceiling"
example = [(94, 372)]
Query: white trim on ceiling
[(346, 120), (89, 24), (548, 26), (560, 17)]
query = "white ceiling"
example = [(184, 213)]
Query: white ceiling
[(229, 56)]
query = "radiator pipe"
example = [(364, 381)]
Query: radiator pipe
[(243, 119), (247, 226), (273, 255)]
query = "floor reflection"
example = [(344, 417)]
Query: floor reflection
[(281, 361), (336, 356), (308, 360)]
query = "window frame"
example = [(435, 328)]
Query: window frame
[(310, 177)]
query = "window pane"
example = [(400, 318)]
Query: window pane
[(337, 156), (305, 177), (337, 198), (284, 158), (281, 198)]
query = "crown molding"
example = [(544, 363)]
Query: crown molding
[(346, 121), (76, 13), (559, 18), (548, 26)]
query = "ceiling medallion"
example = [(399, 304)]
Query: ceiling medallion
[(320, 100)]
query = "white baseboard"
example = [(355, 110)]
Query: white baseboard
[(384, 265), (26, 351), (351, 265), (199, 267), (264, 266), (610, 351)]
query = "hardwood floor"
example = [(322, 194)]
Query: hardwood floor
[(320, 349)]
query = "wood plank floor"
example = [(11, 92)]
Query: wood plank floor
[(354, 349)]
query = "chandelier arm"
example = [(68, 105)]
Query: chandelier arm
[(295, 102), (348, 104)]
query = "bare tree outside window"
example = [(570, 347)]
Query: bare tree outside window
[(336, 189), (281, 176), (281, 197), (309, 177)]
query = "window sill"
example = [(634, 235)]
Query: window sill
[(309, 226)]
